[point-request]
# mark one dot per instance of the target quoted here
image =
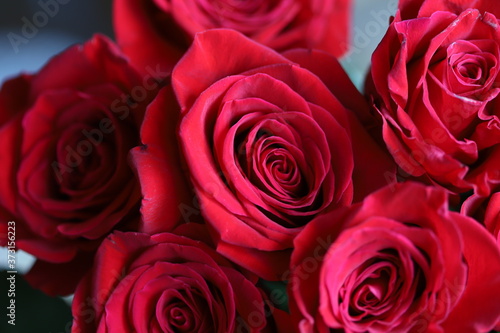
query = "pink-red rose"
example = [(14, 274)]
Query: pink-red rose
[(65, 178), (159, 31), (435, 84), (166, 283), (397, 262), (268, 144)]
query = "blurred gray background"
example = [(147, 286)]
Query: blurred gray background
[(55, 27)]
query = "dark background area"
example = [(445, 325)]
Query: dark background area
[(56, 27), (34, 311)]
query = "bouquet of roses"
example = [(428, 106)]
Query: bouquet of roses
[(216, 170)]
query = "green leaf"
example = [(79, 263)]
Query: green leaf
[(276, 291)]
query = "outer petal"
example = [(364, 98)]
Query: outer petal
[(208, 61), (478, 309), (10, 158), (158, 166), (310, 247), (134, 21), (336, 36), (71, 68), (492, 216), (14, 97)]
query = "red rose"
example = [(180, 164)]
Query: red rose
[(165, 283), (159, 31), (64, 177), (398, 262), (435, 85), (268, 145)]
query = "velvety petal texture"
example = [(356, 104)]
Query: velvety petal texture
[(485, 210), (166, 283), (434, 83), (413, 8), (65, 177), (167, 195), (397, 262), (268, 145), (157, 32)]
